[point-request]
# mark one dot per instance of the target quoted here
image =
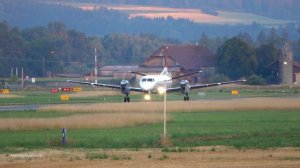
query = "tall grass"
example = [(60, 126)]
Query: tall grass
[(181, 106), (101, 120)]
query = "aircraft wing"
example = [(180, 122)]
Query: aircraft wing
[(106, 85), (136, 89), (205, 85), (96, 84)]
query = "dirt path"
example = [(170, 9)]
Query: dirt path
[(208, 157)]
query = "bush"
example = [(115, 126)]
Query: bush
[(256, 80), (93, 156), (218, 78)]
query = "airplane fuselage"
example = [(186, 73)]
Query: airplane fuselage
[(151, 83)]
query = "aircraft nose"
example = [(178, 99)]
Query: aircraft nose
[(148, 86)]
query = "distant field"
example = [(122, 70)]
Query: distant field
[(196, 15)]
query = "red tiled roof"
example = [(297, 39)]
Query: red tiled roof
[(188, 56)]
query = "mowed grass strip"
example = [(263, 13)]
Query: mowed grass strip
[(237, 104), (101, 120)]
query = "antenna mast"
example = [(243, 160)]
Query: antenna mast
[(165, 55)]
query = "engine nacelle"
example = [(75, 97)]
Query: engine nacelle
[(125, 87), (185, 87)]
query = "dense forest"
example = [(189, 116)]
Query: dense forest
[(36, 34), (68, 51), (103, 21)]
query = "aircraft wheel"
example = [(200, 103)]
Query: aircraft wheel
[(187, 98), (128, 99), (125, 99), (184, 98)]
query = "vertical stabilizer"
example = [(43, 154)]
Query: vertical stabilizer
[(165, 70)]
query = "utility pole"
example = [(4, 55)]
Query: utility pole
[(22, 84), (96, 67), (17, 72), (165, 116), (43, 66), (165, 101)]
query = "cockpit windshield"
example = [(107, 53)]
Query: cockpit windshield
[(147, 79)]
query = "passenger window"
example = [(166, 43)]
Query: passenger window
[(144, 80), (149, 80)]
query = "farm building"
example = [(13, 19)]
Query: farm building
[(181, 59), (118, 72)]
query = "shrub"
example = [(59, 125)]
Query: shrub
[(256, 80), (93, 156), (218, 78)]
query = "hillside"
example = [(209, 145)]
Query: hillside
[(99, 18), (202, 16), (289, 9)]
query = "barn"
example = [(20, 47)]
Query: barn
[(181, 59)]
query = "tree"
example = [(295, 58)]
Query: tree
[(261, 38), (266, 54), (297, 48), (246, 38), (207, 42), (236, 59)]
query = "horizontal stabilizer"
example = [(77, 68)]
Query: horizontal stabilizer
[(138, 73), (186, 75)]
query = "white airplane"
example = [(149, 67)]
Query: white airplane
[(157, 84)]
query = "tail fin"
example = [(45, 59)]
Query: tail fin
[(165, 72)]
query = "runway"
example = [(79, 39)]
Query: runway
[(19, 107)]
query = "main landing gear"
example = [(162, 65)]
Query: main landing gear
[(126, 99), (186, 97)]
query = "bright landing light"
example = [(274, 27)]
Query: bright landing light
[(161, 90), (147, 97)]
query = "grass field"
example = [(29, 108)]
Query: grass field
[(263, 117), (250, 129)]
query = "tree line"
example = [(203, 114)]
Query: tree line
[(56, 49)]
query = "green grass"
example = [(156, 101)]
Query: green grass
[(249, 129)]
